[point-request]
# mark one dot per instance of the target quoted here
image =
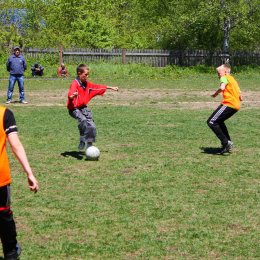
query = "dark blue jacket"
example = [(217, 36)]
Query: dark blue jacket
[(16, 65)]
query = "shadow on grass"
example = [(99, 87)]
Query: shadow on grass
[(212, 150), (75, 154), (1, 258)]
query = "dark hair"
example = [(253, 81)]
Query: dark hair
[(16, 48), (81, 68)]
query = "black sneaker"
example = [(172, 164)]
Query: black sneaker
[(227, 148), (89, 144), (81, 145), (14, 255)]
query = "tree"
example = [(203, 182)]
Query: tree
[(11, 25), (240, 17), (169, 24)]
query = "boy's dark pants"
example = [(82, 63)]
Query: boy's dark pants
[(86, 125), (7, 224), (217, 125)]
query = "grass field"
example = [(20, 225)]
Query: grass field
[(158, 190)]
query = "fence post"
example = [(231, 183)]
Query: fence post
[(60, 54), (124, 56)]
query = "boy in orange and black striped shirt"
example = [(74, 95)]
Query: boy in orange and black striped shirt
[(229, 106), (8, 132)]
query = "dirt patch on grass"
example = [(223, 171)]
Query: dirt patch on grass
[(160, 98)]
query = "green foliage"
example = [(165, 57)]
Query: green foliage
[(132, 24), (137, 72), (94, 33), (243, 17), (10, 36)]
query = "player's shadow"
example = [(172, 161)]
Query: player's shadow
[(75, 154), (211, 150)]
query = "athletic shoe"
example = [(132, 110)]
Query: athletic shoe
[(14, 255), (8, 101), (23, 102), (81, 145), (88, 145), (227, 148)]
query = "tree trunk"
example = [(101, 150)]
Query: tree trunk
[(226, 29)]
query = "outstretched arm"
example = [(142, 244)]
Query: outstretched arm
[(20, 154), (112, 88), (219, 90)]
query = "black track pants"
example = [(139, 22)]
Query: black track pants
[(216, 122), (7, 224)]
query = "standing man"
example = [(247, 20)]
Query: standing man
[(16, 65), (229, 106), (8, 131)]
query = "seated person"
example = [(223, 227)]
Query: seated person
[(62, 71), (37, 70)]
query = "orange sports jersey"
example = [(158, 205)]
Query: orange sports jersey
[(231, 94), (5, 176)]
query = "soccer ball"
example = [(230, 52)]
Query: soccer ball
[(92, 153)]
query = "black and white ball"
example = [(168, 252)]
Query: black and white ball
[(92, 153)]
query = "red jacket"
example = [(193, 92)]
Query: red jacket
[(85, 93)]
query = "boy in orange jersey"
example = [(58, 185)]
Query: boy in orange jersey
[(80, 93), (8, 131), (229, 106)]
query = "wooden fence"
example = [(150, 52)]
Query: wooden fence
[(156, 58)]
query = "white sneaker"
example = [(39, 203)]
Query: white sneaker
[(227, 148), (23, 102), (8, 101)]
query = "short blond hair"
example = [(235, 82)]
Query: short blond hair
[(225, 67)]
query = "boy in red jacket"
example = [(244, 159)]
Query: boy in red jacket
[(81, 91)]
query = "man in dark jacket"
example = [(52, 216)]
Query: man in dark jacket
[(16, 65)]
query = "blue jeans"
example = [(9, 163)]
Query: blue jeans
[(12, 79)]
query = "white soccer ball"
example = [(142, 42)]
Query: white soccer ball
[(92, 153)]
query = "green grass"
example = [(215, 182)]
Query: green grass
[(154, 193), (143, 76)]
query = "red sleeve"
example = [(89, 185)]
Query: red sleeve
[(96, 89), (73, 87)]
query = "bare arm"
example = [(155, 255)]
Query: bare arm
[(75, 94), (20, 154), (219, 90), (112, 88)]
